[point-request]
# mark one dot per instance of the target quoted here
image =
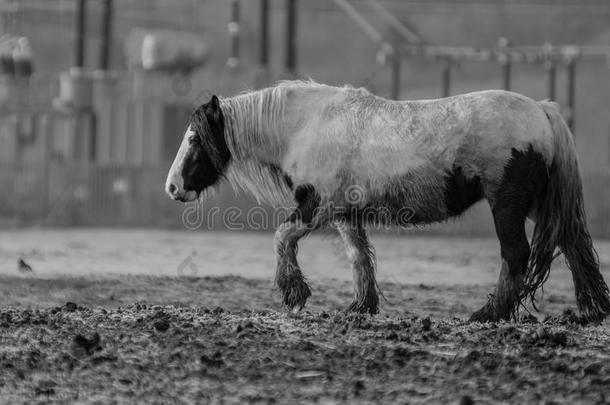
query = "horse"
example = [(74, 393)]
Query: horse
[(317, 148)]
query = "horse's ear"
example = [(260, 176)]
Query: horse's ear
[(214, 103), (212, 108)]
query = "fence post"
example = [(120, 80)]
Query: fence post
[(47, 167), (291, 22), (446, 76), (571, 55), (233, 29), (396, 67), (79, 25), (106, 35), (504, 58), (551, 68), (263, 75), (264, 50)]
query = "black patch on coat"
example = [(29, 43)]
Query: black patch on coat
[(461, 192), (525, 177), (308, 200), (413, 198), (208, 153)]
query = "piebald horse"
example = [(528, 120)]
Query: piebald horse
[(316, 147)]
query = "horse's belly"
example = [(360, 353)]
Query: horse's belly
[(407, 201), (422, 198)]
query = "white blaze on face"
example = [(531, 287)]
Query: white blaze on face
[(174, 185)]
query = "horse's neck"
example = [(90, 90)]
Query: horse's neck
[(256, 146), (251, 134)]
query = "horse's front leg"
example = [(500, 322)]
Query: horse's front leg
[(362, 257), (288, 277)]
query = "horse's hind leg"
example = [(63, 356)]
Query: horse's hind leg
[(362, 257), (515, 252), (511, 204), (288, 277)]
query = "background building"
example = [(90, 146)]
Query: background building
[(91, 145)]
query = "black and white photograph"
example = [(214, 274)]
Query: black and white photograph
[(305, 202)]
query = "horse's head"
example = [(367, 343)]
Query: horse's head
[(203, 154)]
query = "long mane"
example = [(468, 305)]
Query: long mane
[(255, 121)]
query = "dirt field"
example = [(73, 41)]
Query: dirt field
[(192, 318)]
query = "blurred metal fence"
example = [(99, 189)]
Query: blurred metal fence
[(85, 194), (102, 195)]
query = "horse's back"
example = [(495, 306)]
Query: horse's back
[(377, 144), (478, 131), (500, 116)]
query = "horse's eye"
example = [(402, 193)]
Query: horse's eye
[(193, 140)]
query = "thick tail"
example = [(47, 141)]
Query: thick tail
[(561, 223)]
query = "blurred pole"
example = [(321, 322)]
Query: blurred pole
[(446, 76), (506, 72), (571, 66), (262, 75), (551, 68), (291, 21), (106, 34), (505, 62), (92, 116), (570, 54), (234, 29), (264, 51), (396, 67), (552, 77), (79, 42)]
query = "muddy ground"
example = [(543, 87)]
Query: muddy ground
[(225, 339)]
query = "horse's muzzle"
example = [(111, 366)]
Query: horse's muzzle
[(180, 195)]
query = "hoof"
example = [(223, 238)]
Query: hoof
[(490, 314), (483, 315), (369, 305), (593, 310), (295, 294), (592, 317)]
